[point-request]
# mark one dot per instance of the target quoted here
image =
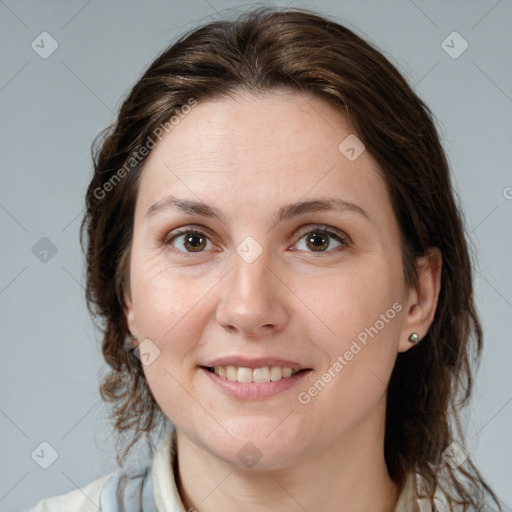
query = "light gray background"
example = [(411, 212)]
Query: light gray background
[(52, 108)]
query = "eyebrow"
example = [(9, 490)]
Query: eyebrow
[(284, 213)]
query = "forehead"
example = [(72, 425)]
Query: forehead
[(259, 126), (274, 148)]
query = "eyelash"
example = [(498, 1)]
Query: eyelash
[(342, 238)]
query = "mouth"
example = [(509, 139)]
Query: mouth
[(260, 375), (245, 383)]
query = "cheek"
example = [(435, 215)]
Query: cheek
[(158, 295), (352, 299), (169, 303), (364, 320), (361, 315), (168, 309)]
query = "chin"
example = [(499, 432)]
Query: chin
[(257, 449)]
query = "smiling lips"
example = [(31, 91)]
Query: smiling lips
[(262, 374), (253, 390), (262, 369)]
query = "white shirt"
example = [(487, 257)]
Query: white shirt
[(158, 486)]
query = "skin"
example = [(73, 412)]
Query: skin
[(247, 156)]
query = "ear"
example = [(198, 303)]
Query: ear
[(422, 299), (130, 316)]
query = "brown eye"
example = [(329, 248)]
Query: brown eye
[(317, 241), (195, 241), (320, 239), (191, 241)]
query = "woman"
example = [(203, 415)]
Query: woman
[(264, 248)]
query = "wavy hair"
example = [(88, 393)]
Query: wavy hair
[(262, 50)]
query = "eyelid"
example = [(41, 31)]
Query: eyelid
[(189, 228), (324, 229)]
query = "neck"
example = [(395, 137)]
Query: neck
[(351, 476)]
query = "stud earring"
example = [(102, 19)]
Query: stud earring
[(414, 338)]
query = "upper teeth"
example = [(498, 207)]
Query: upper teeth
[(263, 374)]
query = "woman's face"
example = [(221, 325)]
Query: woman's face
[(262, 286)]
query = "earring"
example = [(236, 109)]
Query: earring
[(414, 338)]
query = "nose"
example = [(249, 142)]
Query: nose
[(253, 299)]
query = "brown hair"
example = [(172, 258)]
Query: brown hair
[(261, 51)]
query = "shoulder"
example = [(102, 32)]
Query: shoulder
[(128, 487), (86, 499)]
